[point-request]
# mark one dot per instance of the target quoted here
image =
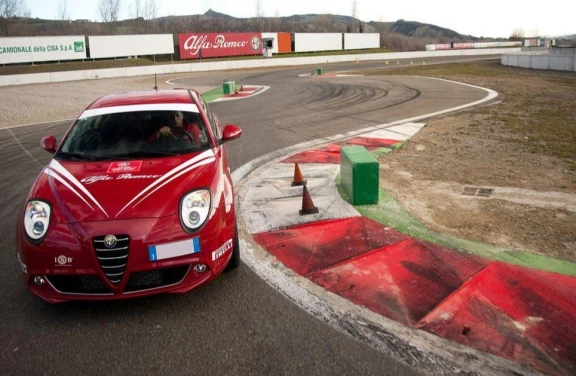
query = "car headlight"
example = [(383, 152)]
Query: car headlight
[(36, 220), (195, 208)]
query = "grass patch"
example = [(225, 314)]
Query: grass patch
[(391, 214)]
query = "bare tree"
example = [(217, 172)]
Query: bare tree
[(323, 23), (136, 9), (13, 8), (259, 14), (150, 9), (354, 14), (517, 34), (109, 10), (63, 10)]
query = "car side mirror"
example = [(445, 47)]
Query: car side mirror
[(49, 144), (231, 132)]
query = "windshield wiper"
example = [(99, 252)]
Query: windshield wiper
[(78, 156)]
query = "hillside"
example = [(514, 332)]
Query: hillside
[(400, 35)]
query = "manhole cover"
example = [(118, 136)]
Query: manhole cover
[(474, 191)]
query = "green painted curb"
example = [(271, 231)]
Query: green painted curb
[(212, 95), (390, 213)]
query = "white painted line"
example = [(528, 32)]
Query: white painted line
[(25, 150), (398, 132), (29, 124)]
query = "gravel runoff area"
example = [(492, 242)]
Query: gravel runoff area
[(38, 103), (523, 148)]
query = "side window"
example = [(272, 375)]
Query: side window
[(212, 119), (214, 125)]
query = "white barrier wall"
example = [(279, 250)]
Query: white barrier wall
[(36, 49), (309, 42), (130, 45), (541, 61), (21, 79), (359, 41), (273, 50)]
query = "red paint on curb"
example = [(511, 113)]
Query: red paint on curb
[(522, 314), (245, 92), (319, 245), (403, 281), (330, 154), (372, 143), (325, 157)]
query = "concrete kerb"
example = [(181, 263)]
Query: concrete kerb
[(36, 78), (417, 348), (414, 347)]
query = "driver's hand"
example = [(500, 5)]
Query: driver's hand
[(164, 131)]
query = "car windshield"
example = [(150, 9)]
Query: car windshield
[(130, 135)]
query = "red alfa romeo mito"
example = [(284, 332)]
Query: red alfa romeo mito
[(137, 200)]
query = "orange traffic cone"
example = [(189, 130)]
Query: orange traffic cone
[(307, 204), (298, 178)]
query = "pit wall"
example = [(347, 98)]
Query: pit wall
[(37, 78), (541, 60)]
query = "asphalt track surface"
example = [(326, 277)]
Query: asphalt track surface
[(237, 324)]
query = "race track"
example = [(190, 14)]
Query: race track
[(237, 324)]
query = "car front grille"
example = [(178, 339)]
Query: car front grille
[(151, 279), (78, 284), (113, 260)]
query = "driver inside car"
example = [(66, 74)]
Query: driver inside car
[(176, 121)]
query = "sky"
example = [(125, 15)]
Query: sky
[(488, 18)]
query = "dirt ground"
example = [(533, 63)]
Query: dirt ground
[(524, 148)]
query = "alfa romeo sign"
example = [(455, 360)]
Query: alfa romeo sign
[(35, 49), (195, 46)]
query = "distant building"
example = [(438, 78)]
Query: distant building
[(82, 20), (539, 42)]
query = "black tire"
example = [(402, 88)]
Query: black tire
[(235, 259)]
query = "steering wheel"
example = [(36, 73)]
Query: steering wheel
[(182, 131)]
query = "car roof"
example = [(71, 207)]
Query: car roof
[(145, 98)]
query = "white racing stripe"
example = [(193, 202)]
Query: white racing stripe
[(201, 163), (56, 166), (204, 155), (53, 174), (184, 107)]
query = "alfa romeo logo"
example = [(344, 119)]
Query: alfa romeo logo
[(110, 241), (255, 43)]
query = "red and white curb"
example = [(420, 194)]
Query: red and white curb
[(247, 91), (329, 75), (420, 349)]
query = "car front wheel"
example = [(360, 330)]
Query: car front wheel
[(235, 259)]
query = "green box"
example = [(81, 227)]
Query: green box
[(229, 87), (319, 71), (360, 175)]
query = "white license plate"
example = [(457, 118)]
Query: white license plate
[(171, 250)]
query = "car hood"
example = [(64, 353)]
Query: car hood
[(98, 191)]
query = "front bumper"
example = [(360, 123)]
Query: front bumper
[(68, 265)]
